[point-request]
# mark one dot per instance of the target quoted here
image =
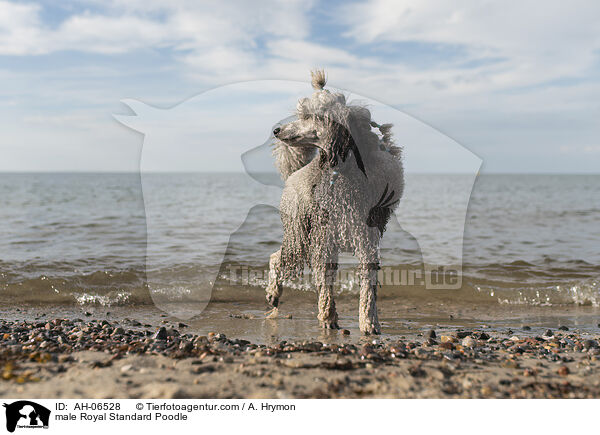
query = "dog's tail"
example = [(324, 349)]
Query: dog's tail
[(318, 79), (289, 159)]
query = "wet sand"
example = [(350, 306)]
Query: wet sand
[(234, 352)]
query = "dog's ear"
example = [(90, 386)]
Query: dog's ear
[(343, 143)]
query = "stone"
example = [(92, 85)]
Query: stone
[(463, 334), (161, 334), (468, 342)]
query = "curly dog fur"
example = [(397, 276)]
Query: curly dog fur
[(342, 183)]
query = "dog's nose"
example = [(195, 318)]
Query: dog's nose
[(276, 131)]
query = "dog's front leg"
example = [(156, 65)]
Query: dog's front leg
[(368, 321), (274, 288), (325, 279)]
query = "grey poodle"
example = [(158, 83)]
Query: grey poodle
[(342, 183)]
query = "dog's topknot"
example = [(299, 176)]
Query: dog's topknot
[(318, 79)]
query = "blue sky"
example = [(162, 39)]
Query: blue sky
[(517, 83)]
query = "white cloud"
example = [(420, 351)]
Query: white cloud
[(19, 28), (533, 42), (129, 25), (220, 42), (294, 50)]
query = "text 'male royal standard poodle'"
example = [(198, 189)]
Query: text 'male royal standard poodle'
[(342, 183)]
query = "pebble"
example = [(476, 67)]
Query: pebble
[(172, 332), (366, 350), (447, 345), (186, 345), (468, 342), (431, 341), (161, 334), (485, 391), (118, 331)]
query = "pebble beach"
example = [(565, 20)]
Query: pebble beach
[(99, 358)]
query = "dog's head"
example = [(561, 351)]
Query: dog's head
[(326, 122)]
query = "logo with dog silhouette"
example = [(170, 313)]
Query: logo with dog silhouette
[(25, 414)]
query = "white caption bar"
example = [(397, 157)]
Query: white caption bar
[(265, 416)]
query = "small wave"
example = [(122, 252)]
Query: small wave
[(107, 300), (518, 282), (116, 287), (585, 293), (521, 263)]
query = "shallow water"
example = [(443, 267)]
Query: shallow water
[(83, 239), (401, 319)]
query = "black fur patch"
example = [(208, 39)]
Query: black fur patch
[(341, 146), (379, 215)]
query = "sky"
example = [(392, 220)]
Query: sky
[(516, 83)]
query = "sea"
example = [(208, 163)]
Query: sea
[(102, 241)]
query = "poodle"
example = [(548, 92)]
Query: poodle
[(342, 183)]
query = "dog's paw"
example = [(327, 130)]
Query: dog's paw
[(272, 300), (333, 324), (272, 314), (370, 328)]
